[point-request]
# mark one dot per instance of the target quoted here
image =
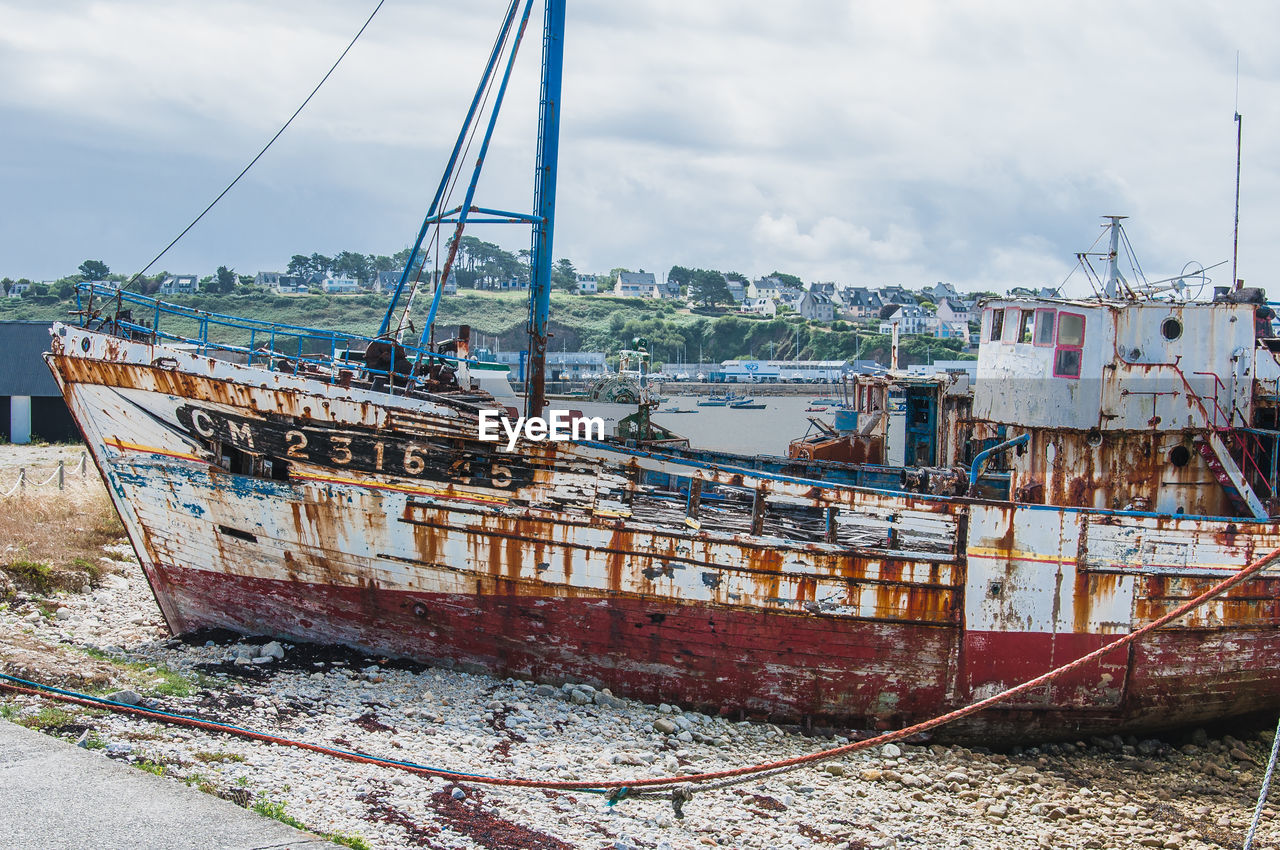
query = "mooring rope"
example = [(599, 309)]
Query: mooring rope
[(680, 788), (1265, 791)]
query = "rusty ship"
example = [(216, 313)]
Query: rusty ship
[(1115, 456)]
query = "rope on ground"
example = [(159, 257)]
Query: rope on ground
[(1265, 791), (680, 788)]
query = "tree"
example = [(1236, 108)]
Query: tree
[(709, 288), (564, 275), (300, 265), (94, 270), (680, 276), (320, 264), (224, 280), (788, 280), (6, 284), (352, 265), (736, 276)]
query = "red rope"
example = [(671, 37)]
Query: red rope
[(579, 785)]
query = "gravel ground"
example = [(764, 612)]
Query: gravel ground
[(1192, 791)]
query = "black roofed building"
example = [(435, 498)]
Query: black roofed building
[(30, 404)]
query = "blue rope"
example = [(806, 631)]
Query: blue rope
[(232, 728)]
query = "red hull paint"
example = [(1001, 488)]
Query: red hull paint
[(862, 673)]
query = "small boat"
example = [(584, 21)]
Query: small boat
[(675, 410), (817, 408), (712, 401), (747, 404)]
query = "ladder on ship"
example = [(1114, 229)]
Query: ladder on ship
[(1217, 454)]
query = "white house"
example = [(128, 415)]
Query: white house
[(759, 306), (180, 284), (588, 284), (340, 286), (637, 285), (910, 319)]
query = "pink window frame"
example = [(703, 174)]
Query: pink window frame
[(1035, 329), (1084, 322)]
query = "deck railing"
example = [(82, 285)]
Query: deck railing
[(277, 346)]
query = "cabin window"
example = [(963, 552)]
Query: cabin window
[(1045, 326), (997, 325), (1171, 328), (1069, 354), (1025, 323)]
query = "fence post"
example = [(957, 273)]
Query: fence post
[(84, 465), (62, 474), (22, 478)]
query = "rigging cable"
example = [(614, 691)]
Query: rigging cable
[(265, 147), (451, 178)]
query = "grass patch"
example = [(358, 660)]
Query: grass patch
[(171, 684), (57, 535), (150, 766), (46, 718), (9, 711), (217, 758), (32, 575), (276, 811)]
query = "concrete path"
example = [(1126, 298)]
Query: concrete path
[(54, 794)]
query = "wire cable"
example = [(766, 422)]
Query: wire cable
[(265, 147)]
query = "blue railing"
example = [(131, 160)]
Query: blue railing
[(295, 349)]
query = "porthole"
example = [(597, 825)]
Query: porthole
[(1171, 328), (1179, 456)]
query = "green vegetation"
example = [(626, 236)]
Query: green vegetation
[(172, 683), (36, 576), (48, 717), (276, 811), (588, 323), (211, 758), (150, 766)]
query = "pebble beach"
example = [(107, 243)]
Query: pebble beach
[(1191, 791)]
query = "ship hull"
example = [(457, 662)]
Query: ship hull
[(284, 505)]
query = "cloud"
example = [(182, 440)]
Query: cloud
[(909, 142)]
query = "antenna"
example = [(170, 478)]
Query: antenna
[(1235, 238)]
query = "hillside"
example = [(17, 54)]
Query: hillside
[(590, 323)]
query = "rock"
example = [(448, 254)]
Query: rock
[(119, 748), (685, 736), (891, 751), (261, 659), (242, 661), (871, 774), (126, 697), (578, 697), (64, 614), (33, 617), (663, 725), (834, 769), (956, 776), (545, 691), (273, 650), (664, 709), (83, 740), (458, 794)]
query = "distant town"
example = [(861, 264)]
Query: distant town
[(934, 321)]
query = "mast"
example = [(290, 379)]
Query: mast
[(1235, 237), (545, 205), (1113, 257)]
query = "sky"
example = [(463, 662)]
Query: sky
[(867, 143)]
